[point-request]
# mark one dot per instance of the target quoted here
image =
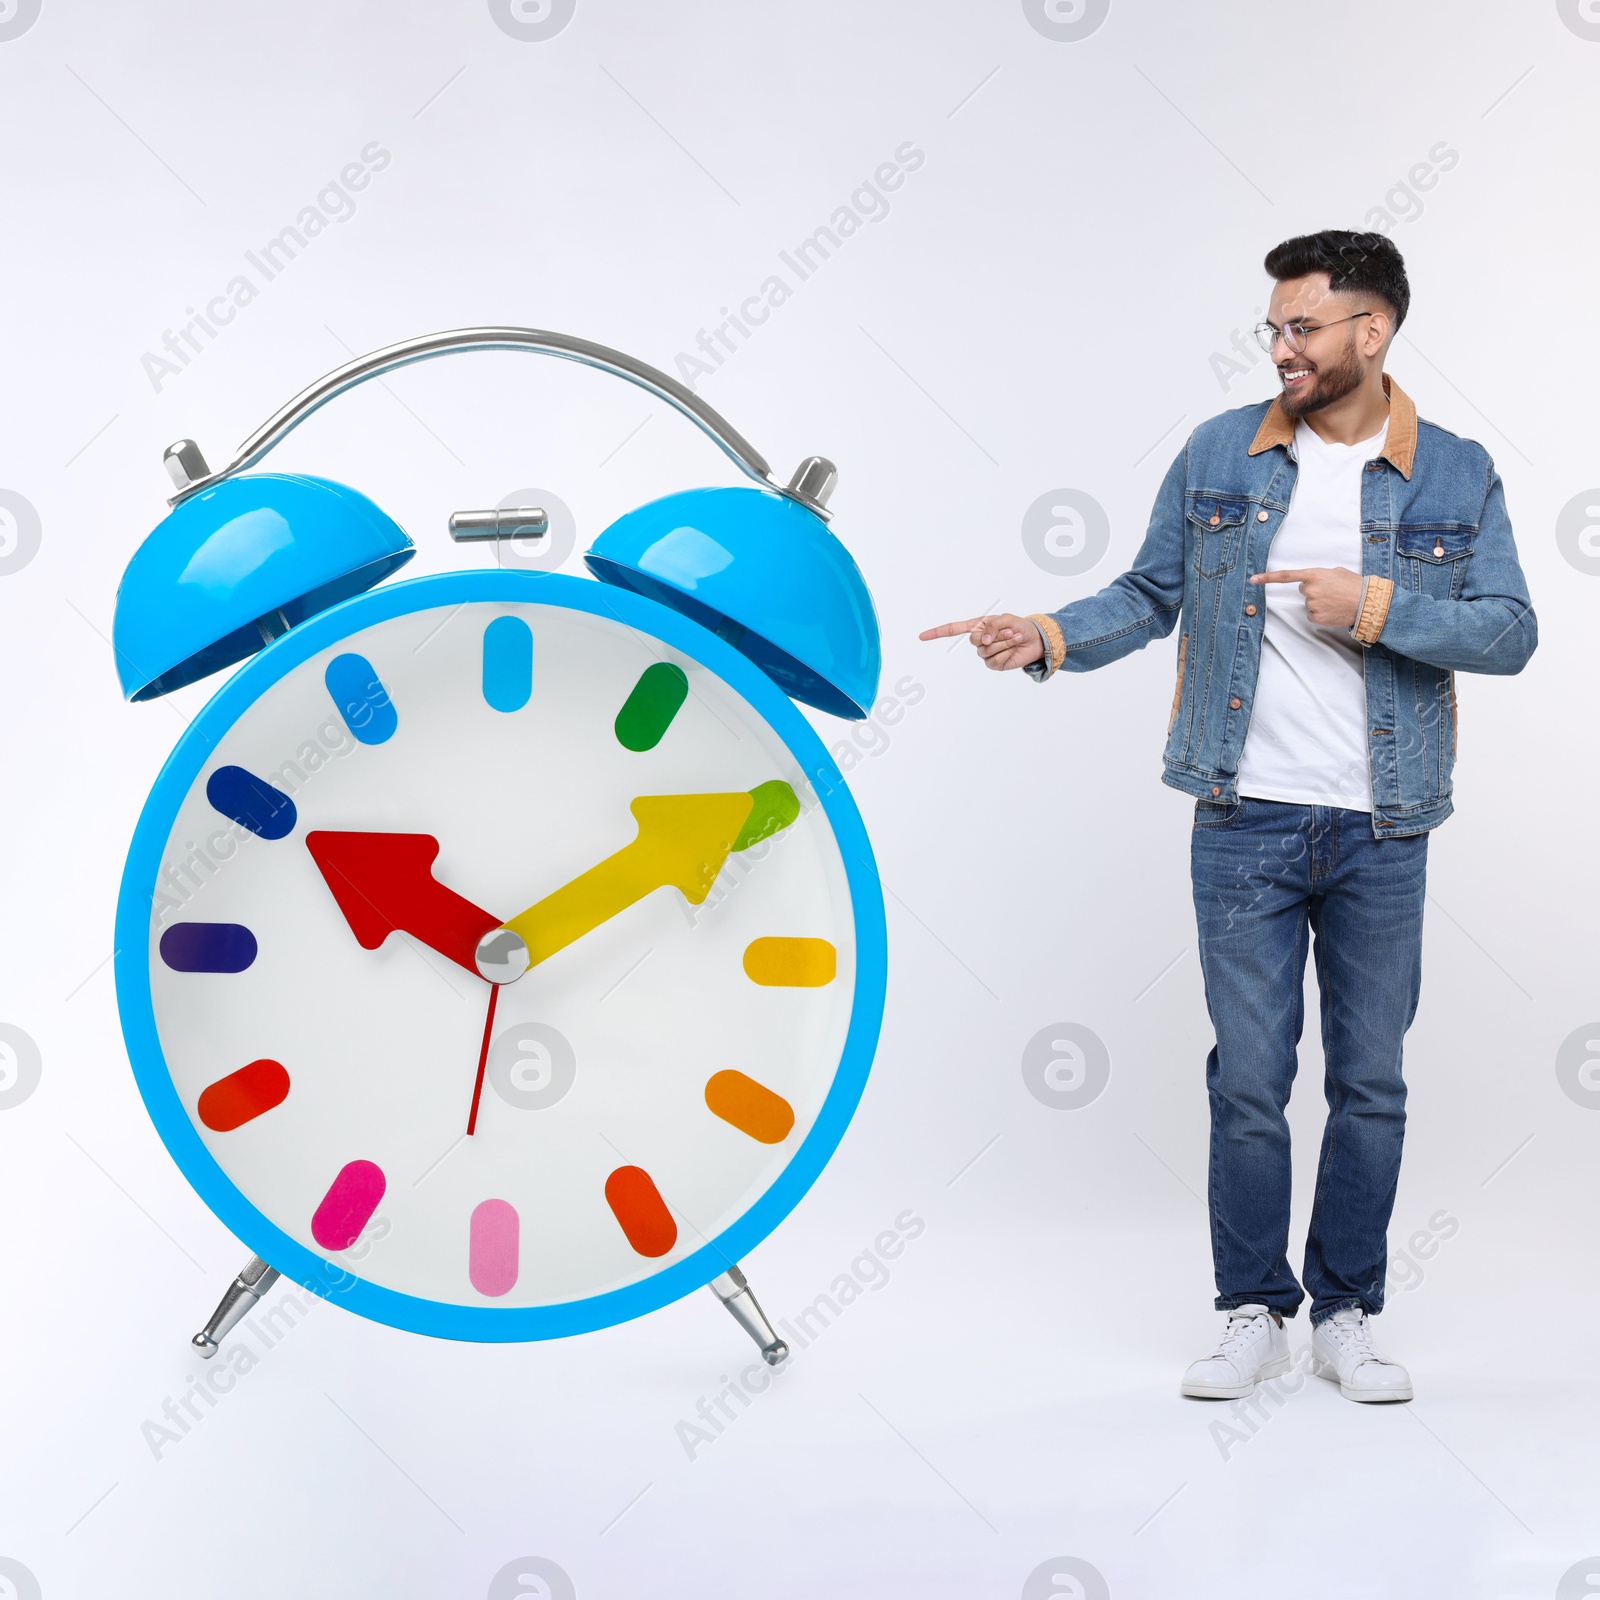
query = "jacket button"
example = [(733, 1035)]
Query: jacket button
[(1249, 611), (1235, 703), (1261, 516), (1438, 550), (1216, 521), (1216, 788)]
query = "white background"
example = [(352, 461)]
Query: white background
[(1041, 309)]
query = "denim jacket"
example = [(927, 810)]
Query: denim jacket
[(1443, 593)]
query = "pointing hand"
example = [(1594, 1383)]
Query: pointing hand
[(1333, 594), (1003, 641)]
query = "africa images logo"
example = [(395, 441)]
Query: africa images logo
[(1582, 18), (1065, 21), (1578, 532), (532, 21), (1065, 532), (20, 532), (16, 17)]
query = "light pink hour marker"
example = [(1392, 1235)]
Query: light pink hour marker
[(348, 1205), (493, 1255)]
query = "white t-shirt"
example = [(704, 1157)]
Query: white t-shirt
[(1307, 742)]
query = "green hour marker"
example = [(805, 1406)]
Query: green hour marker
[(648, 711), (776, 806)]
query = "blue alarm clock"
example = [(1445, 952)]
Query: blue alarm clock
[(500, 952)]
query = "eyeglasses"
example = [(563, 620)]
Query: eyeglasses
[(1295, 334)]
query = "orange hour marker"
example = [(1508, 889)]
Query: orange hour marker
[(244, 1095), (791, 963), (750, 1107), (637, 1204)]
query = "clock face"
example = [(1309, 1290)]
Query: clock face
[(364, 823)]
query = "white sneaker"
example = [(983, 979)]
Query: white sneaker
[(1341, 1350), (1253, 1346)]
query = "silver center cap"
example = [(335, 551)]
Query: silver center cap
[(501, 956)]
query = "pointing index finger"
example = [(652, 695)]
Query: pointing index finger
[(948, 630), (1299, 575)]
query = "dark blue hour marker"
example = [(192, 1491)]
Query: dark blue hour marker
[(252, 802), (361, 699), (208, 947), (507, 663)]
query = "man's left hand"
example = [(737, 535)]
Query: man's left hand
[(1332, 594)]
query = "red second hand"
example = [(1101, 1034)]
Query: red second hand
[(483, 1057)]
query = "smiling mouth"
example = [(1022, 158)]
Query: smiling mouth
[(1293, 377)]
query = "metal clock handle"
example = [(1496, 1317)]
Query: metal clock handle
[(811, 485), (237, 1303), (242, 1295), (732, 1288)]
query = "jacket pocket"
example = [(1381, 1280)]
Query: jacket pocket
[(1433, 556), (1216, 525), (1177, 693)]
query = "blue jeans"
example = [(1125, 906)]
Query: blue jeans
[(1267, 876)]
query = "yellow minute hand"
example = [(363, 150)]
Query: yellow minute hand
[(682, 843)]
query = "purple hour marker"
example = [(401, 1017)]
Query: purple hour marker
[(208, 947)]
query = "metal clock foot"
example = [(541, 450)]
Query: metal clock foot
[(238, 1302), (733, 1290)]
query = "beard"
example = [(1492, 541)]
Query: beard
[(1326, 385)]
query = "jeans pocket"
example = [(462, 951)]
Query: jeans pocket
[(1215, 813)]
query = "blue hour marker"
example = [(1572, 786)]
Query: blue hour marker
[(361, 699), (252, 802), (208, 947), (507, 663)]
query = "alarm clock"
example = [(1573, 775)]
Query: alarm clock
[(500, 952)]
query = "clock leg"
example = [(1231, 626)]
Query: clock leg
[(237, 1303), (733, 1290)]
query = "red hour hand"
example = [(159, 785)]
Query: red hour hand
[(384, 883)]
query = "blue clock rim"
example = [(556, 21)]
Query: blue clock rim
[(490, 1324)]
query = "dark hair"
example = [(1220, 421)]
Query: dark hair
[(1362, 263)]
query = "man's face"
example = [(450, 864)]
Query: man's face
[(1332, 363)]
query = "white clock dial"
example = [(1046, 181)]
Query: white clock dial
[(647, 1080)]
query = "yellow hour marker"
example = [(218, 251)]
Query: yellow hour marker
[(791, 963)]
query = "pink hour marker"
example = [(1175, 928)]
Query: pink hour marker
[(348, 1205), (492, 1260)]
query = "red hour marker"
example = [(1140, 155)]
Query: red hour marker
[(243, 1096), (637, 1204)]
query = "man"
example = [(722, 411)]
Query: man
[(1331, 563)]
